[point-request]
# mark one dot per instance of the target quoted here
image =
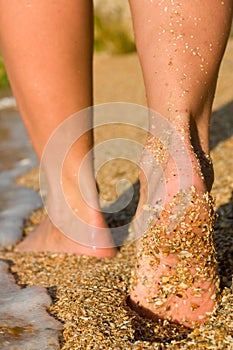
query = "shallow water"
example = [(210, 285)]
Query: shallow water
[(17, 157), (24, 322)]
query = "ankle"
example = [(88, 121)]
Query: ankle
[(180, 135)]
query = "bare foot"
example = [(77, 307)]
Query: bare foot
[(47, 238), (175, 276), (75, 223)]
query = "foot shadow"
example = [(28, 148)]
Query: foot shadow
[(221, 125), (119, 220), (223, 240), (154, 331)]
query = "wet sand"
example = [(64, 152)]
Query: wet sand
[(88, 294)]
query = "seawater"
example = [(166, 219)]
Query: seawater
[(16, 157)]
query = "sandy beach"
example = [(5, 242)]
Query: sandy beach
[(88, 294)]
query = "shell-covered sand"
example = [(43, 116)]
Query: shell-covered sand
[(88, 294)]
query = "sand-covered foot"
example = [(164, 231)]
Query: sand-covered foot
[(47, 238), (175, 275)]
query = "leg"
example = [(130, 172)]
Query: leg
[(47, 49), (180, 48)]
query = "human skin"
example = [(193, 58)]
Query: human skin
[(180, 48), (47, 48)]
